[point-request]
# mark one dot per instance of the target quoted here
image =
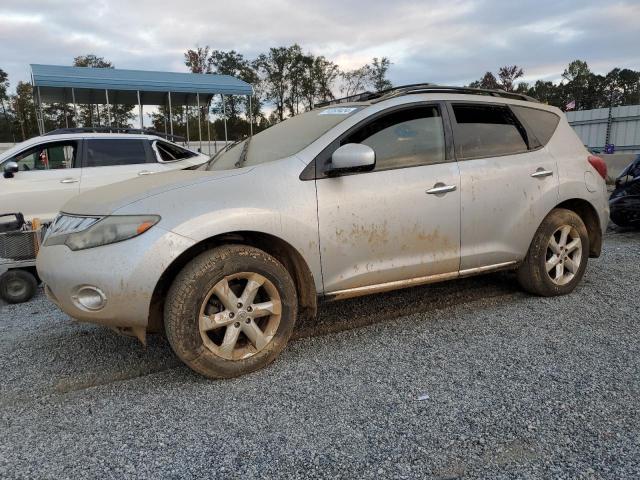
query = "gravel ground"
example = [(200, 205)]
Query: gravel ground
[(467, 379)]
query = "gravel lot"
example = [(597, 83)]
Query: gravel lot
[(467, 379)]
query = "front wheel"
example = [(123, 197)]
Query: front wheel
[(558, 255), (230, 311)]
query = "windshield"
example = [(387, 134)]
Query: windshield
[(283, 139)]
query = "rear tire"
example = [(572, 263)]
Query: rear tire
[(558, 255), (230, 311), (17, 286)]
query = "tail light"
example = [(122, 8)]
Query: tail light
[(599, 165)]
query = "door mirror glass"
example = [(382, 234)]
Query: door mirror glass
[(352, 157), (10, 168)]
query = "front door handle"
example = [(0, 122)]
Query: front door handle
[(440, 188), (144, 172), (541, 172), (69, 180)]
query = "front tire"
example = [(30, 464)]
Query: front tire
[(558, 255), (230, 311)]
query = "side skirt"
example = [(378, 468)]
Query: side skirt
[(413, 282)]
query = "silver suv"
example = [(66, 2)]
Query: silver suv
[(415, 185)]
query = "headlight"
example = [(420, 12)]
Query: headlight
[(108, 230)]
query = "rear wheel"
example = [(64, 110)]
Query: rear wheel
[(17, 286), (558, 255), (230, 311)]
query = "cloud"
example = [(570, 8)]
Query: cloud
[(452, 41)]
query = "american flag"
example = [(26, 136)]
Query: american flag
[(571, 105)]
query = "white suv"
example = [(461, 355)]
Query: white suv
[(417, 185), (43, 173)]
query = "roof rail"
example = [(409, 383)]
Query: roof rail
[(425, 88), (133, 131)]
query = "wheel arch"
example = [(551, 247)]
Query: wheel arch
[(589, 216), (284, 252)]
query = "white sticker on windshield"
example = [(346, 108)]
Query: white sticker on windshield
[(338, 111)]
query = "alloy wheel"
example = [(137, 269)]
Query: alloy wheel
[(564, 255), (240, 315)]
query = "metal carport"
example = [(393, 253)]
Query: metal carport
[(84, 85)]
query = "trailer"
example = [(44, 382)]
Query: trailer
[(19, 245)]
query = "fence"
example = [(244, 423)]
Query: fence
[(619, 126)]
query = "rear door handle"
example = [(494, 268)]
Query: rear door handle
[(440, 188), (144, 172), (541, 172), (69, 180)]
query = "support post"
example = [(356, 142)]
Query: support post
[(140, 112), (250, 117), (66, 105), (224, 114), (106, 93), (170, 117), (41, 119), (215, 147), (75, 109), (186, 116), (199, 123)]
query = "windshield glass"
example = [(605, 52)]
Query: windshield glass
[(283, 139)]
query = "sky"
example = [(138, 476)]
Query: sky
[(448, 42)]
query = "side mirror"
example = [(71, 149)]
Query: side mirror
[(352, 157), (9, 169)]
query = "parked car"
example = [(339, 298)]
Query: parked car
[(625, 199), (41, 174), (411, 186)]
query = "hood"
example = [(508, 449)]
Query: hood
[(106, 200)]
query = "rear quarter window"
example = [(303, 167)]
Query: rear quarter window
[(170, 153), (541, 123)]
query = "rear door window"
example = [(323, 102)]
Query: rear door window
[(170, 153), (111, 152), (487, 131), (540, 122)]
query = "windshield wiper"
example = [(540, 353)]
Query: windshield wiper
[(243, 154), (216, 156)]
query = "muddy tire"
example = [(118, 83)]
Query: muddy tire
[(558, 255), (17, 286), (230, 311)]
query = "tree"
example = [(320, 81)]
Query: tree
[(24, 110), (508, 75), (7, 130), (355, 81), (274, 68), (117, 114), (378, 74), (198, 60), (577, 75), (488, 81)]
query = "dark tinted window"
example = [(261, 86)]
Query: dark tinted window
[(540, 122), (169, 152), (487, 131), (404, 138), (109, 152), (49, 156)]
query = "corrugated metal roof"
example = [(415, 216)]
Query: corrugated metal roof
[(89, 84)]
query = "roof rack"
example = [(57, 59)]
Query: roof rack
[(133, 131), (425, 88)]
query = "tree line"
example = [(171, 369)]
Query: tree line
[(288, 81), (580, 87)]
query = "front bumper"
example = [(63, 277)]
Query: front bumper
[(126, 272)]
